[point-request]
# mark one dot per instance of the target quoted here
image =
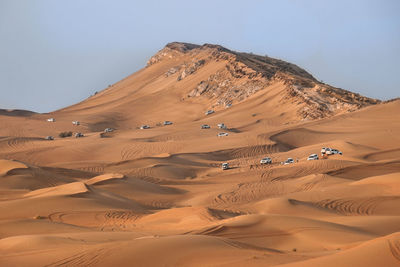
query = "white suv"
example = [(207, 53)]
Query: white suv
[(335, 151), (221, 126), (313, 157), (288, 161), (225, 166), (266, 161), (77, 135)]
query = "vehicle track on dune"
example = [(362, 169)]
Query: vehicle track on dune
[(46, 179), (292, 171), (119, 219), (93, 169), (383, 155), (241, 245), (27, 149), (255, 150), (15, 144), (248, 192), (315, 182), (273, 183), (140, 150), (361, 171), (89, 257), (232, 234), (148, 179), (246, 152), (394, 245), (159, 205), (106, 220), (353, 207), (78, 148), (33, 156), (129, 152)]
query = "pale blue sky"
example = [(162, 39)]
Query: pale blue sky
[(56, 53)]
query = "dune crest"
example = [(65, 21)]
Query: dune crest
[(104, 178), (8, 165), (61, 190)]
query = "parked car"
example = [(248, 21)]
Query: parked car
[(328, 151), (335, 151), (222, 134), (49, 137), (51, 120), (228, 105), (144, 127), (288, 161), (167, 122), (205, 126), (266, 160), (221, 126), (77, 135), (208, 112), (323, 150), (76, 123), (313, 157), (108, 130), (225, 166)]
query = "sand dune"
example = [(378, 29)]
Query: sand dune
[(158, 196), (61, 190), (8, 165), (382, 251)]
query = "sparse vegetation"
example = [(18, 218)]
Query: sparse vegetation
[(65, 134)]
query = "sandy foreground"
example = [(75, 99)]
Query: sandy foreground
[(158, 197)]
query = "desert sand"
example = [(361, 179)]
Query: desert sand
[(159, 197)]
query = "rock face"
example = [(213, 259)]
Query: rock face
[(242, 75), (190, 68)]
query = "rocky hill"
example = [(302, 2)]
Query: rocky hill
[(243, 74)]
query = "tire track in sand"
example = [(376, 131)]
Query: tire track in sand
[(114, 219), (90, 257), (355, 206), (394, 245)]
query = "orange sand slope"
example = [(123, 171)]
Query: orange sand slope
[(158, 196)]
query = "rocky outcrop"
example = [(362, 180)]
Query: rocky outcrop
[(199, 90), (190, 69), (172, 71)]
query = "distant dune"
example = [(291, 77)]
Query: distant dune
[(16, 112), (144, 186)]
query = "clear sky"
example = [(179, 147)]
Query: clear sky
[(56, 53)]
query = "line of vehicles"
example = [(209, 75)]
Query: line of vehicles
[(145, 126), (267, 160), (77, 134), (330, 151)]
